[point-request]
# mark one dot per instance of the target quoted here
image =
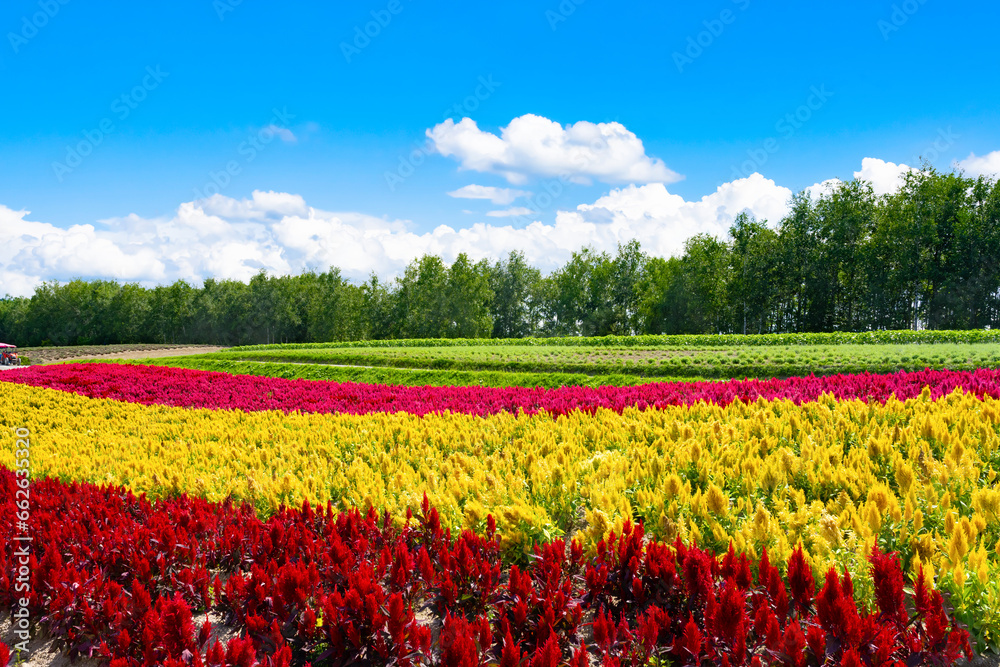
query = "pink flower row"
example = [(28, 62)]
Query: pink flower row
[(154, 385)]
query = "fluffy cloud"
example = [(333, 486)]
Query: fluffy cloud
[(502, 196), (223, 237), (816, 190), (885, 177), (663, 221), (986, 165), (261, 205), (535, 146), (31, 252)]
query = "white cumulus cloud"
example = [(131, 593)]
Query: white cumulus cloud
[(535, 146), (985, 165), (228, 238), (885, 177), (816, 190), (663, 221)]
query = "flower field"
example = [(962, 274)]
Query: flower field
[(802, 521)]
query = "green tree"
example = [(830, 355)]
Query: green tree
[(661, 301), (468, 297), (421, 299), (704, 275), (752, 289), (128, 312), (515, 286), (628, 271)]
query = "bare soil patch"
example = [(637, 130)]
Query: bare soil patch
[(43, 651), (48, 355)]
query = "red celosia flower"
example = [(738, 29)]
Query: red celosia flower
[(816, 639), (781, 601), (548, 655), (216, 655), (458, 646), (422, 638), (800, 580), (520, 613), (958, 644), (309, 623), (730, 619), (204, 634), (698, 575), (510, 655), (398, 617), (691, 640), (426, 566), (921, 600), (240, 653), (851, 659), (647, 630), (764, 569), (888, 580), (847, 585), (794, 643), (773, 637), (604, 630), (886, 641), (828, 601), (283, 658), (485, 633)]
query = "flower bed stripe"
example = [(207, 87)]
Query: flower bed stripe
[(151, 385)]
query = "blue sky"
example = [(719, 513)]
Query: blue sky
[(165, 97)]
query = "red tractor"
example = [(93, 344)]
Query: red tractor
[(8, 355)]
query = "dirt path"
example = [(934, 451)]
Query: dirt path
[(181, 351)]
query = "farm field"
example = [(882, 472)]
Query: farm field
[(838, 518), (605, 361), (648, 362)]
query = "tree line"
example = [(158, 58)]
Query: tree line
[(925, 257)]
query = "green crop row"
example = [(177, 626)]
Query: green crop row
[(687, 340)]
